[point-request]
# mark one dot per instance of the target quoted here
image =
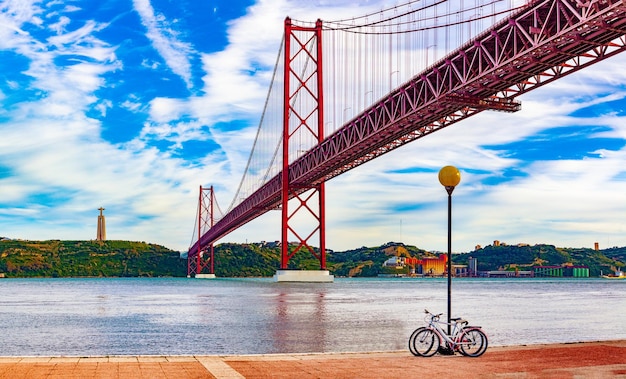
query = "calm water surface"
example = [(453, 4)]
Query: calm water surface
[(253, 316)]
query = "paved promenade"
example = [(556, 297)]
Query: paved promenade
[(606, 359)]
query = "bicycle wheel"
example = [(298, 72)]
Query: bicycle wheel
[(425, 343), (473, 343), (412, 339)]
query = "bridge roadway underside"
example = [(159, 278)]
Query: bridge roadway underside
[(539, 44)]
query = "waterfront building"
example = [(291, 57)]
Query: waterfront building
[(435, 266), (429, 266), (396, 261), (576, 271), (548, 271), (472, 266), (507, 274), (562, 271), (459, 270)]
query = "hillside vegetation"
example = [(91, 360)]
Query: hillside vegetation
[(88, 258), (56, 258), (508, 257)]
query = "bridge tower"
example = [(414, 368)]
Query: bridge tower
[(203, 260), (303, 115)]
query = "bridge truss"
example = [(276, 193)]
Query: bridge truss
[(540, 43)]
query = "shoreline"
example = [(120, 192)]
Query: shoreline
[(596, 359), (491, 348)]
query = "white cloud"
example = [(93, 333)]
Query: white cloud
[(165, 40), (52, 150)]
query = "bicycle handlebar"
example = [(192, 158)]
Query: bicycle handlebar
[(432, 314), (435, 317)]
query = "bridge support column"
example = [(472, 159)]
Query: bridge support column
[(303, 123), (202, 259)]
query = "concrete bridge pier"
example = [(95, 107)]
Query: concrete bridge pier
[(205, 276), (306, 276)]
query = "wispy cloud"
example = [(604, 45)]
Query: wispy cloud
[(165, 40)]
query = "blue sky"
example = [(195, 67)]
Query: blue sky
[(132, 105)]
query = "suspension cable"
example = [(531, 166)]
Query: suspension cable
[(256, 138)]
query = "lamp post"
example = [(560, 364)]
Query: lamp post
[(449, 177)]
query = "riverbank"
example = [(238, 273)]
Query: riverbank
[(602, 359)]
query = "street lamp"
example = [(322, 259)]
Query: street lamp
[(449, 177)]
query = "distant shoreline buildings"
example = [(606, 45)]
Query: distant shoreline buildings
[(437, 267)]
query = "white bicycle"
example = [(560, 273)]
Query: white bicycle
[(426, 341)]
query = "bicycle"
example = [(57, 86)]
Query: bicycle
[(426, 341)]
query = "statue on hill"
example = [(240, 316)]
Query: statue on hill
[(102, 232)]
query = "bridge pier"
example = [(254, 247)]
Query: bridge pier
[(305, 276), (205, 276)]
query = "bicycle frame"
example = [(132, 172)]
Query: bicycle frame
[(451, 341), (469, 340)]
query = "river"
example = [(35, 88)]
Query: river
[(181, 316)]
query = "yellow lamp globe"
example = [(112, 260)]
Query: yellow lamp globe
[(449, 176)]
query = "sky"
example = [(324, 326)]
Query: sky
[(132, 105)]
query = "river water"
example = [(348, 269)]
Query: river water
[(181, 316)]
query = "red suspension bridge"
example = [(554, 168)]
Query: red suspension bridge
[(346, 92)]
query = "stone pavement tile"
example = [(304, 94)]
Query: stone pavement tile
[(195, 371), (63, 368), (174, 371), (151, 358), (180, 358), (218, 368), (10, 371), (10, 359), (68, 370), (364, 367), (93, 359), (64, 360), (590, 372), (151, 371), (85, 371), (106, 375), (260, 358), (37, 371), (191, 369), (35, 360), (107, 370), (129, 370), (121, 359), (262, 369)]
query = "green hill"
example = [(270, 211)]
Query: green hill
[(88, 258), (507, 257), (56, 258)]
